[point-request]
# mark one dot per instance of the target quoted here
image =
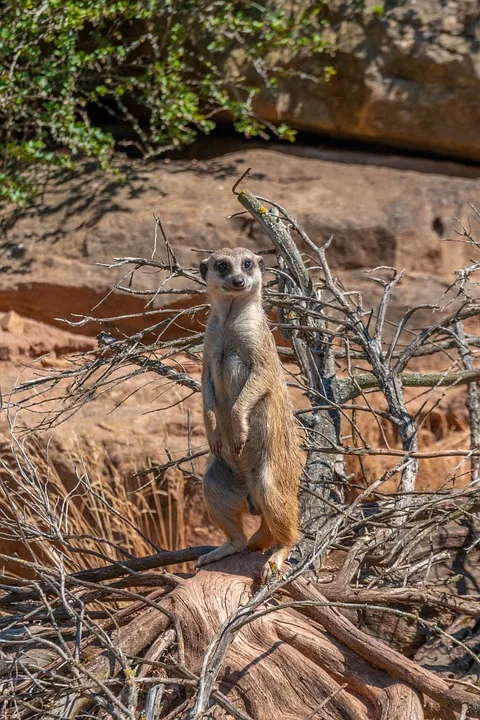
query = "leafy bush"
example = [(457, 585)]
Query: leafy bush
[(164, 67)]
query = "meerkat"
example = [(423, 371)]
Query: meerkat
[(255, 461)]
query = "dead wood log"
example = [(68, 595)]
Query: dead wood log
[(448, 695), (109, 572), (282, 664), (289, 660)]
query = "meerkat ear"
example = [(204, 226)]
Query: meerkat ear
[(261, 263), (204, 268)]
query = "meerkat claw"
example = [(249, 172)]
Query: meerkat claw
[(276, 571), (238, 448), (271, 570)]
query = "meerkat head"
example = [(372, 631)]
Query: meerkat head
[(232, 272)]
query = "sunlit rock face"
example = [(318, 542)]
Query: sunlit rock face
[(407, 75)]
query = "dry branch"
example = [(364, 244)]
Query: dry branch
[(382, 657), (350, 389), (215, 644), (324, 475), (109, 572)]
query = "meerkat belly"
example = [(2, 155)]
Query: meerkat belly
[(270, 438), (230, 377)]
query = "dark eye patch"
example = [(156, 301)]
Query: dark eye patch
[(247, 264), (222, 267)]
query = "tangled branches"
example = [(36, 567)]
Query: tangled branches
[(387, 574)]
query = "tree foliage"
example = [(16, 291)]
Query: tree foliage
[(164, 69)]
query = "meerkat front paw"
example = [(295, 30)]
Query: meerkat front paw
[(240, 433), (238, 445), (215, 443), (213, 436)]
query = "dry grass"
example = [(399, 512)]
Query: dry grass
[(82, 518), (100, 513)]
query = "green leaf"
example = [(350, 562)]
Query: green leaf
[(163, 68)]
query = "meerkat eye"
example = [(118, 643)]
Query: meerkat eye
[(247, 264), (222, 267)]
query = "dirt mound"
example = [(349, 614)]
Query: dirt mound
[(23, 340)]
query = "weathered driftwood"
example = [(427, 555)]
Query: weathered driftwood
[(280, 664), (292, 657)]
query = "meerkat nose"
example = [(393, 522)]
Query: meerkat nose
[(238, 282)]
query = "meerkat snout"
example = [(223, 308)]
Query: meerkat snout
[(237, 282), (232, 271)]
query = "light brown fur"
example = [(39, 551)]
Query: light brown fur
[(248, 415)]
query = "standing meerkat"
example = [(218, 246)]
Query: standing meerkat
[(248, 415)]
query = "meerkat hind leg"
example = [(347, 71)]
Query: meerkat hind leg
[(262, 539), (226, 503), (233, 529), (279, 515)]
